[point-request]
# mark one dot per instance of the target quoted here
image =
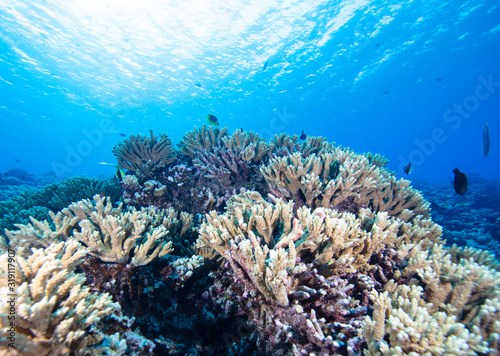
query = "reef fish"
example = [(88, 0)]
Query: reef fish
[(212, 120), (119, 174), (303, 136), (460, 182), (408, 168), (486, 140)]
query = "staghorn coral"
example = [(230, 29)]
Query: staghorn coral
[(340, 179), (146, 156), (218, 169), (112, 234), (268, 246), (377, 159), (41, 233), (257, 237), (199, 140), (53, 308), (404, 324), (457, 315), (480, 256), (247, 145), (283, 145)]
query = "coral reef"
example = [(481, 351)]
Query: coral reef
[(53, 307), (111, 234), (304, 247), (306, 271), (339, 180), (216, 166), (471, 220), (457, 315), (53, 198), (145, 155), (199, 140), (16, 180)]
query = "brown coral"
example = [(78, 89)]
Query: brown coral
[(144, 155)]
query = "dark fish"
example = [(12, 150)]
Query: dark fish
[(460, 182), (265, 65), (408, 168), (120, 174), (439, 79), (303, 136), (385, 92), (334, 169), (198, 85), (212, 120), (377, 44), (122, 135), (486, 140)]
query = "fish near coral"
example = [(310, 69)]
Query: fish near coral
[(120, 173), (460, 182), (408, 168), (212, 120)]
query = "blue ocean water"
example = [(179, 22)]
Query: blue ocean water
[(412, 80), (416, 81)]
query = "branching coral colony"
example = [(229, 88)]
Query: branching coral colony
[(315, 249)]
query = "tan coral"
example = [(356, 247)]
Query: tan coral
[(199, 140), (285, 145), (53, 308), (145, 155), (339, 178), (269, 270), (377, 159), (458, 315), (112, 238), (110, 233), (263, 240), (413, 328), (40, 233), (248, 145)]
